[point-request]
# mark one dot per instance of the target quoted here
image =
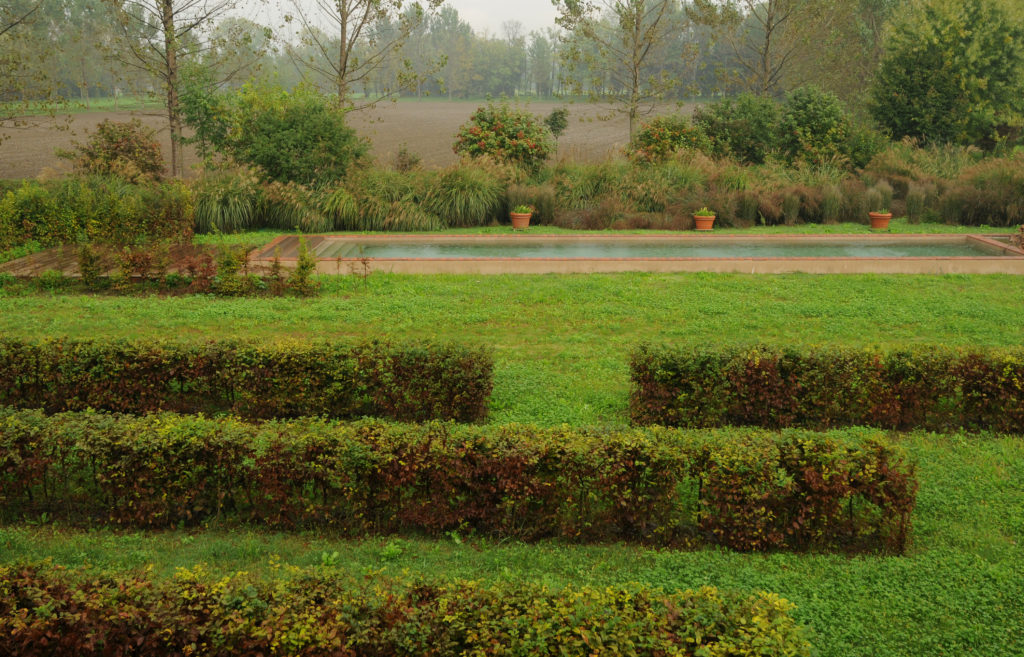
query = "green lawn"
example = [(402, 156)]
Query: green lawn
[(562, 342), (959, 592)]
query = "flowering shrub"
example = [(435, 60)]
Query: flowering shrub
[(663, 136), (506, 134)]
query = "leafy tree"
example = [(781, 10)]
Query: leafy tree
[(26, 59), (814, 128), (617, 48), (954, 72), (744, 127)]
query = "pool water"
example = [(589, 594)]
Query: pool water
[(646, 249)]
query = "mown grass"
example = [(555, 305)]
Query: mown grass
[(562, 342), (960, 591)]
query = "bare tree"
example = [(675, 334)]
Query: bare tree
[(764, 35), (352, 40), (617, 49), (27, 85), (157, 37)]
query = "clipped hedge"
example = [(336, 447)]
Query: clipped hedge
[(399, 381), (748, 490), (48, 611), (928, 388)]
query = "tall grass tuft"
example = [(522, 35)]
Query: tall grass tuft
[(831, 204), (227, 202), (340, 207), (464, 196)]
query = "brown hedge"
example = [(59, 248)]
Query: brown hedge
[(925, 388), (45, 611), (745, 489), (412, 382)]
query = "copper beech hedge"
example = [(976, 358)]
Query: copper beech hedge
[(745, 489), (46, 611), (402, 381), (937, 389)]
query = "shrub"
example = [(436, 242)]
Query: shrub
[(290, 136), (814, 127), (557, 121), (659, 138), (464, 196), (94, 209), (413, 381), (506, 134), (127, 150), (311, 612), (744, 128), (748, 490), (932, 389)]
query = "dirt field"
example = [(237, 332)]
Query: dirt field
[(427, 128)]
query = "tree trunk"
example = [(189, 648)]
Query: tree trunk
[(171, 80)]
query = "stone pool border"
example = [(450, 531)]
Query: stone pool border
[(1012, 262)]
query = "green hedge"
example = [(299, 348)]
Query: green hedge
[(748, 490), (935, 389), (399, 381), (47, 611)]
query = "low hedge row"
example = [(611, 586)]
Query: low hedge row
[(935, 389), (410, 381), (748, 490), (48, 611)]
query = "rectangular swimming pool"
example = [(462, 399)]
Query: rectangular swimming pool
[(591, 253)]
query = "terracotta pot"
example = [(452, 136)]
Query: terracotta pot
[(520, 220), (880, 220), (704, 223)]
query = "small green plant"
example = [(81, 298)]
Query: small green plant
[(406, 160), (53, 280), (557, 121), (704, 212), (392, 550), (523, 209), (301, 278), (89, 266), (7, 280)]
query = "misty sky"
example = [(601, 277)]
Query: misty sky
[(490, 14)]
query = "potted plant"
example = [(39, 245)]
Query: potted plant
[(521, 216), (704, 218), (880, 219)]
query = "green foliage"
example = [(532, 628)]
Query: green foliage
[(313, 613), (126, 150), (506, 134), (557, 121), (464, 196), (90, 266), (973, 53), (663, 136), (411, 381), (745, 489), (227, 202), (301, 278), (744, 127), (298, 136), (814, 127), (932, 389), (95, 209)]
